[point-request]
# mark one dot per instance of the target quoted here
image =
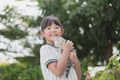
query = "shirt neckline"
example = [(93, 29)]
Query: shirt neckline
[(51, 45)]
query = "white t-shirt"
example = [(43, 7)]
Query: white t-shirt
[(48, 54)]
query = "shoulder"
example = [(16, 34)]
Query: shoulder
[(43, 46), (46, 47)]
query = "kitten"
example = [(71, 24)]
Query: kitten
[(58, 42)]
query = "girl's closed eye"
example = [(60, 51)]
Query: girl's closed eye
[(48, 28), (57, 27)]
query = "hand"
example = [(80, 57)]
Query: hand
[(67, 46), (73, 56)]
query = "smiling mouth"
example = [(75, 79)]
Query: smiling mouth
[(54, 35)]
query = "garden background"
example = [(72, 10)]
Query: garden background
[(93, 26)]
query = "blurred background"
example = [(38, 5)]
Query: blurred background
[(93, 26)]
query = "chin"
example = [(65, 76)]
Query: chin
[(53, 38)]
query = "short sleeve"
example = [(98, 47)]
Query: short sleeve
[(47, 55)]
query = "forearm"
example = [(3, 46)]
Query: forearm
[(62, 63), (78, 69)]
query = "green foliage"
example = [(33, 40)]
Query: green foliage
[(31, 21), (33, 60), (99, 20), (20, 72), (84, 64), (8, 13), (103, 75), (112, 71), (36, 51), (13, 33)]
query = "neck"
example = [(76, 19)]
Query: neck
[(50, 43)]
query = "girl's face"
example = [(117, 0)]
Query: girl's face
[(51, 32)]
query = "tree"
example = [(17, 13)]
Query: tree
[(16, 37), (94, 26)]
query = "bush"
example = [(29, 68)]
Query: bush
[(20, 72), (111, 71)]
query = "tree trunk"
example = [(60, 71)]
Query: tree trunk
[(108, 51)]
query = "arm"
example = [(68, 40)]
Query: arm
[(58, 67), (78, 69), (74, 59)]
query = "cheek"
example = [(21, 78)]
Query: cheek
[(61, 32), (44, 34)]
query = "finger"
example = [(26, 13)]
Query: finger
[(68, 41), (64, 41), (71, 43), (72, 48)]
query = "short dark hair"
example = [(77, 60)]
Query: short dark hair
[(48, 20)]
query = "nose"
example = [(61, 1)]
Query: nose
[(53, 30)]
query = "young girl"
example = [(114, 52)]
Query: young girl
[(57, 64)]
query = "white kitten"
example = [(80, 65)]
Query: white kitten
[(58, 42)]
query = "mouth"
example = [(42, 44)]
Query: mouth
[(54, 36)]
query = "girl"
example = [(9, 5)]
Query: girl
[(56, 63)]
